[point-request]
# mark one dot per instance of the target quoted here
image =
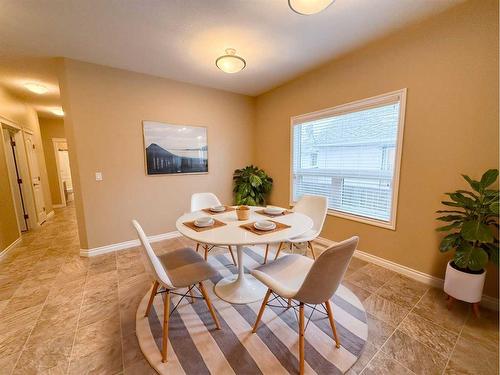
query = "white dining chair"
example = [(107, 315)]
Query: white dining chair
[(315, 207), (200, 201), (181, 268), (308, 282)]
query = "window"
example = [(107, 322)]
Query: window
[(351, 154)]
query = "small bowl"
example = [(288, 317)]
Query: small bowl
[(218, 208), (264, 225), (270, 210), (203, 222)]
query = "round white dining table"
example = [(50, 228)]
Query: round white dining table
[(242, 288)]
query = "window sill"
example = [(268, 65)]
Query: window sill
[(377, 223)]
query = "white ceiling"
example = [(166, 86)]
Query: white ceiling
[(180, 39)]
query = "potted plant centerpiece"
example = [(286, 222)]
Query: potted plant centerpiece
[(473, 222), (251, 186)]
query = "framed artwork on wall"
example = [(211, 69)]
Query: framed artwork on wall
[(174, 149)]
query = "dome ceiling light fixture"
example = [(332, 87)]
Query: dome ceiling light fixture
[(230, 62), (308, 7), (36, 88)]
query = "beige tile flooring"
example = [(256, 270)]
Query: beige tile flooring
[(60, 313)]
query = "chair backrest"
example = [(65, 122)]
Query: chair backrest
[(314, 206), (203, 200), (327, 272), (153, 264)]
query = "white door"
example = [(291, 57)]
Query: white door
[(31, 150)]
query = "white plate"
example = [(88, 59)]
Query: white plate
[(204, 222), (273, 210), (264, 225), (218, 208)]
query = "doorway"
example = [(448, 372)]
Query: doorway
[(34, 171), (63, 170), (11, 147)]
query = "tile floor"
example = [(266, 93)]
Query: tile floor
[(63, 314)]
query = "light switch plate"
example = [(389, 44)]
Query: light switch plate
[(98, 176)]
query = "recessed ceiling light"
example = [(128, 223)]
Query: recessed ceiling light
[(308, 7), (230, 62), (57, 111), (36, 88)]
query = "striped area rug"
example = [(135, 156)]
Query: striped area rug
[(196, 347)]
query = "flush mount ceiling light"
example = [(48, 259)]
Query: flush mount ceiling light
[(308, 7), (36, 88), (57, 111), (230, 62)]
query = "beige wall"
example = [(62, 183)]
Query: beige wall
[(450, 66), (103, 127), (52, 128), (23, 116)]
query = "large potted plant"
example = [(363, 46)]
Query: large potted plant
[(251, 186), (473, 223)]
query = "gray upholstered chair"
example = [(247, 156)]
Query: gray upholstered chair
[(182, 268), (309, 282)]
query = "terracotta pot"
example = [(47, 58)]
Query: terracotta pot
[(243, 213), (464, 286)]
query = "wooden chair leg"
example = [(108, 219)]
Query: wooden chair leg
[(301, 338), (332, 323), (475, 309), (152, 297), (289, 303), (206, 252), (166, 317), (232, 254), (310, 245), (197, 246), (449, 302), (279, 249), (209, 305), (267, 252), (261, 311), (191, 293)]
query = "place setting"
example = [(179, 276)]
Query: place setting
[(204, 223), (272, 211), (264, 227), (215, 210)]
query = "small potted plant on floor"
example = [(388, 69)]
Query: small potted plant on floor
[(473, 222), (251, 186)]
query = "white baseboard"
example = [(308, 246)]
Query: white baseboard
[(58, 205), (4, 252), (424, 278), (126, 245)]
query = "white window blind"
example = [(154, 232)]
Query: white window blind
[(348, 154)]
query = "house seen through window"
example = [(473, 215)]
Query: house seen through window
[(350, 154)]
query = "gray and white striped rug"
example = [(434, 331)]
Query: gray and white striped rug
[(196, 347)]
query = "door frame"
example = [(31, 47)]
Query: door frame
[(55, 141), (23, 169)]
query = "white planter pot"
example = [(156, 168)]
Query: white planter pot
[(464, 286)]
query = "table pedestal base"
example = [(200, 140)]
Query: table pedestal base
[(236, 289), (240, 288)]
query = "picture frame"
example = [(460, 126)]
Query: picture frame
[(172, 149)]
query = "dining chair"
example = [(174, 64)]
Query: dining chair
[(200, 201), (314, 206), (300, 281), (181, 268)]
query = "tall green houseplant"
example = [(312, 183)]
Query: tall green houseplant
[(251, 186), (473, 221)]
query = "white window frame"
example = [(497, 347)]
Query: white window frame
[(375, 101)]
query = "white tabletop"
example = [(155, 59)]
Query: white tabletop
[(232, 234)]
